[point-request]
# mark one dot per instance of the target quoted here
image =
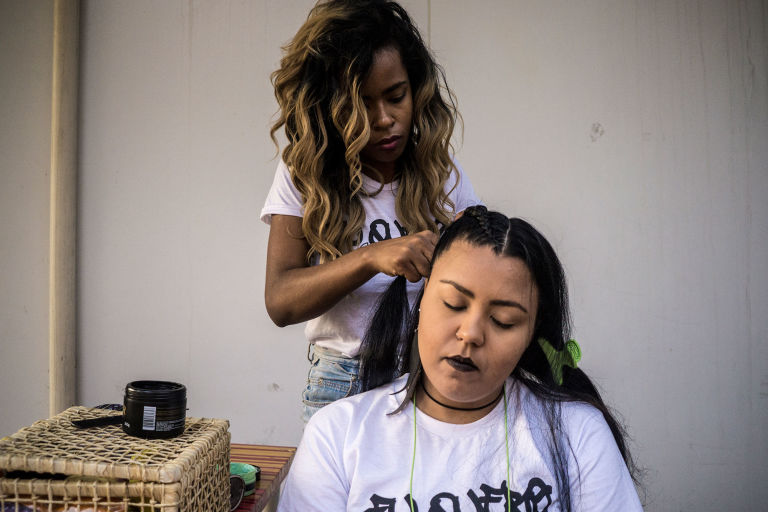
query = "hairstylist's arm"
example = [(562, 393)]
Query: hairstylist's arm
[(296, 292)]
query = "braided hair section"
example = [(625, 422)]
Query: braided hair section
[(492, 228)]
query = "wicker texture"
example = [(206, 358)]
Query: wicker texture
[(104, 469)]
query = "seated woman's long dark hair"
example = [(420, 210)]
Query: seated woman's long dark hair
[(389, 348)]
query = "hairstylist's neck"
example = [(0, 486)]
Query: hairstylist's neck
[(383, 172)]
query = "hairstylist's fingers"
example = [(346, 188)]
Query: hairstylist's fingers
[(412, 269), (423, 265), (407, 265), (411, 274), (427, 242), (422, 246), (407, 256), (428, 235)]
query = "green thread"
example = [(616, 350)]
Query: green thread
[(506, 443), (413, 457), (570, 355)]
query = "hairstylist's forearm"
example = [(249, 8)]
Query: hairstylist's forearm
[(296, 292)]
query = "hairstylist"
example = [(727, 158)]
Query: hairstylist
[(364, 184)]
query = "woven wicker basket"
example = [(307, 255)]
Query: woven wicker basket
[(103, 469)]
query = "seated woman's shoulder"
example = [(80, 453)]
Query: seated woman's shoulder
[(575, 414), (370, 405)]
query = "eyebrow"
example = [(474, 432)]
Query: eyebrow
[(496, 302), (392, 87)]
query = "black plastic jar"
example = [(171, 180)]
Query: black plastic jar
[(155, 409)]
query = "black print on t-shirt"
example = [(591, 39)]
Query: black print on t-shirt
[(537, 497), (400, 228), (382, 504), (379, 230)]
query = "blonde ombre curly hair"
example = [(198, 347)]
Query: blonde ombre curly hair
[(321, 109)]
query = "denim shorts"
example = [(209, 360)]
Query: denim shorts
[(331, 376)]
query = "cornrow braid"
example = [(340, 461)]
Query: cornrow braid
[(498, 233), (483, 220)]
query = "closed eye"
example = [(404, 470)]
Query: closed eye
[(398, 99), (502, 324), (452, 307)]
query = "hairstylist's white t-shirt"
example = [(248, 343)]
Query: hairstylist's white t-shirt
[(342, 327), (354, 456)]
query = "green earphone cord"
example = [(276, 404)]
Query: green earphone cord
[(506, 443), (413, 458)]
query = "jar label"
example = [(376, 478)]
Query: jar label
[(148, 421)]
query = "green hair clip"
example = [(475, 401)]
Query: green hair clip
[(569, 356)]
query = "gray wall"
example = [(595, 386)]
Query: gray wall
[(633, 134), (26, 59)]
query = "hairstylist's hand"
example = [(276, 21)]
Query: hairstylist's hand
[(407, 256)]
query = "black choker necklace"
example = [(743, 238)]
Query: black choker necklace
[(438, 402)]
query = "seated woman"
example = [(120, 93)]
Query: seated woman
[(480, 421)]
